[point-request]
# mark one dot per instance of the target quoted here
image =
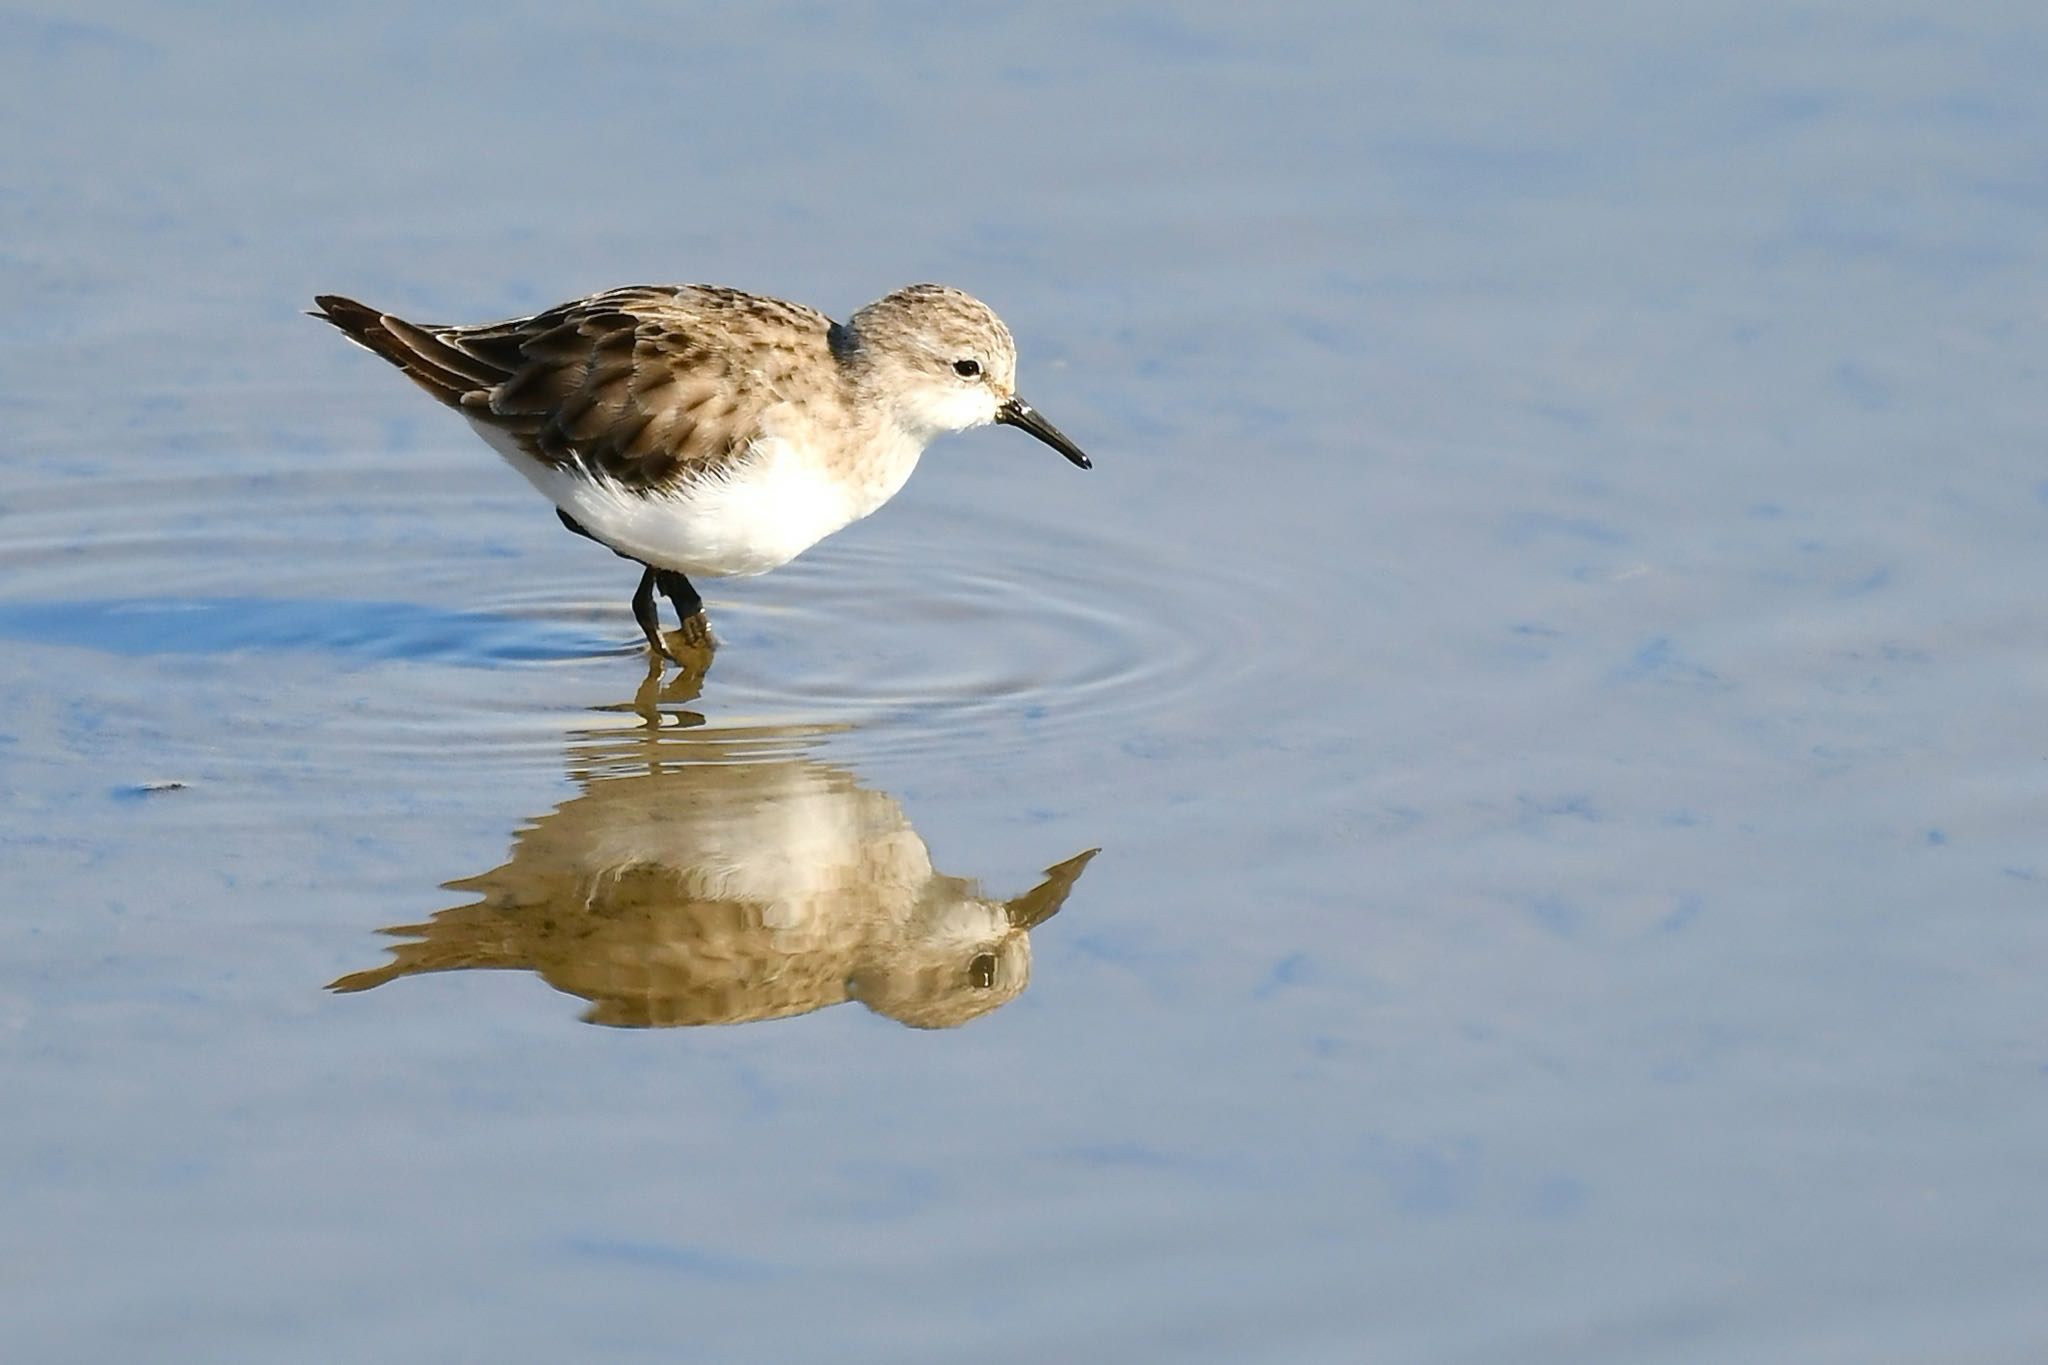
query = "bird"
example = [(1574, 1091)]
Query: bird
[(705, 432)]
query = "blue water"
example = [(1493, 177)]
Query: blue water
[(1550, 653), (338, 631)]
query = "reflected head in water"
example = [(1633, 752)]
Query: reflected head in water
[(718, 879)]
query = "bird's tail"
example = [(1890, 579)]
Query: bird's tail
[(448, 373)]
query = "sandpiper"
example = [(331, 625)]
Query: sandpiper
[(700, 430)]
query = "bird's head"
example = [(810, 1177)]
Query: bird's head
[(940, 360)]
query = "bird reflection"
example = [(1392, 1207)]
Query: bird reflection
[(717, 878)]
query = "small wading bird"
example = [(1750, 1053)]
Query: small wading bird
[(701, 431)]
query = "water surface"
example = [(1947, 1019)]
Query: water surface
[(1550, 655)]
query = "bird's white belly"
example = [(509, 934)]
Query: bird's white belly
[(768, 507)]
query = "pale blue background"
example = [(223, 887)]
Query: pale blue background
[(1552, 651)]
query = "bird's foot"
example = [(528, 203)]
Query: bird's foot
[(689, 647), (695, 634), (695, 631)]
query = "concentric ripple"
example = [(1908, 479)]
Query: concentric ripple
[(967, 630), (436, 612)]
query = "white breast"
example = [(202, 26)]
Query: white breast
[(767, 507)]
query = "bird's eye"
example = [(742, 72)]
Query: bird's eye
[(967, 369), (982, 971)]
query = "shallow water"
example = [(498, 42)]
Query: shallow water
[(1550, 656)]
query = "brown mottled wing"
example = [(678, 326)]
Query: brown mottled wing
[(647, 385)]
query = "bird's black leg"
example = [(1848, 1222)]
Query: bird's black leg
[(644, 610), (648, 615), (679, 591), (689, 605)]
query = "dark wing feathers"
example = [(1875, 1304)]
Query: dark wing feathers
[(641, 384), (374, 331)]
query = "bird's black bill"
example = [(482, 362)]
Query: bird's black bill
[(1018, 413)]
